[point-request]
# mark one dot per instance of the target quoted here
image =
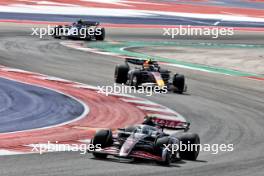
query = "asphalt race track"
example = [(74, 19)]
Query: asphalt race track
[(222, 109)]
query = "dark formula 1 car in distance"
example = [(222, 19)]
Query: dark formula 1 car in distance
[(149, 74), (86, 30), (148, 141)]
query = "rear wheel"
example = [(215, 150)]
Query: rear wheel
[(121, 72), (100, 36), (56, 33), (179, 83), (105, 139)]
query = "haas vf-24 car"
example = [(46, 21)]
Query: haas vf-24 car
[(148, 141)]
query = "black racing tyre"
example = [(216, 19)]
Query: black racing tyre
[(56, 33), (100, 36), (189, 139), (105, 139), (159, 149), (100, 155), (179, 82), (121, 72)]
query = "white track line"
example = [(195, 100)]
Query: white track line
[(86, 87), (14, 70), (146, 102), (162, 109), (7, 152), (86, 141)]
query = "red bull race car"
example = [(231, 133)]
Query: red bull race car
[(150, 74), (148, 141)]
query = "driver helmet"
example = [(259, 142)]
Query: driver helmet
[(147, 63), (149, 120)]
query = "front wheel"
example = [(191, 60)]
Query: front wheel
[(57, 32), (100, 155), (103, 138), (165, 154)]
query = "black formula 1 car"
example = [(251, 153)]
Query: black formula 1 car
[(86, 30), (149, 142), (149, 74)]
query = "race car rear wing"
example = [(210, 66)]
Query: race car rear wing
[(171, 124), (91, 23), (137, 61)]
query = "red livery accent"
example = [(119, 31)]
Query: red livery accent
[(146, 155)]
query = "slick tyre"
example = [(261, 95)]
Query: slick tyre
[(160, 150), (121, 72), (100, 36), (56, 34), (103, 138), (179, 83), (190, 139)]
